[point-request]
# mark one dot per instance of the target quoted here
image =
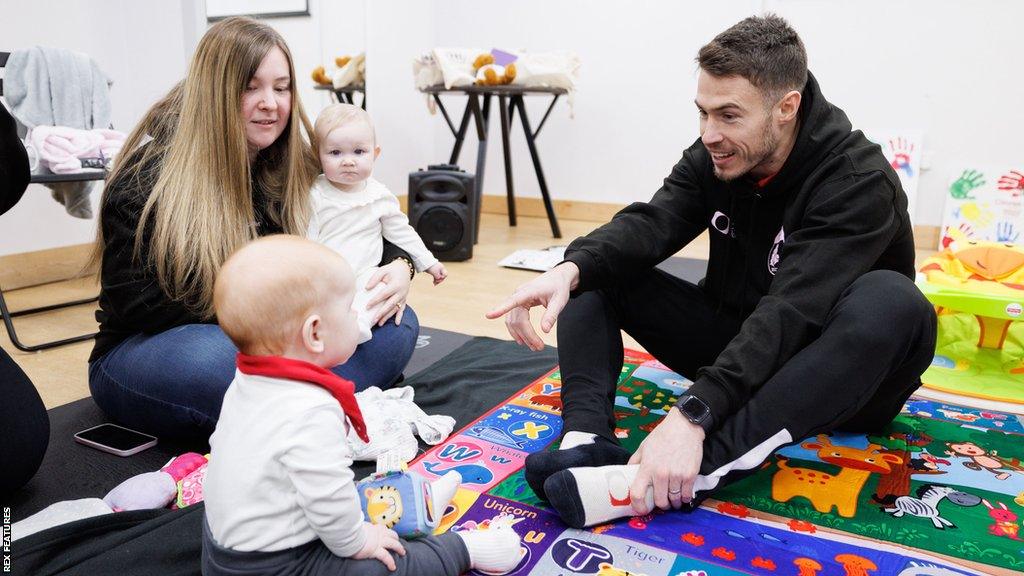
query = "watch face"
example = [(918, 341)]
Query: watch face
[(695, 409)]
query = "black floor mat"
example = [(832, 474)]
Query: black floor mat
[(71, 471)]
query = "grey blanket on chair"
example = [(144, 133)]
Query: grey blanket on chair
[(58, 87)]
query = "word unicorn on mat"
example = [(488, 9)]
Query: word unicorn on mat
[(926, 505)]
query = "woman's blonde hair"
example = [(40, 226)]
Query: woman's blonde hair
[(201, 207)]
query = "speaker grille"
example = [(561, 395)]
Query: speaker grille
[(440, 228)]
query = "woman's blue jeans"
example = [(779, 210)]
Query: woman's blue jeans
[(172, 384)]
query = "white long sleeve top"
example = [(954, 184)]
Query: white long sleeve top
[(354, 224), (280, 470)]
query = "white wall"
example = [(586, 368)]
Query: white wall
[(945, 67), (634, 111), (397, 31), (138, 43), (948, 68)]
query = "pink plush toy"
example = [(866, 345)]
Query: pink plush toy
[(184, 465), (154, 489), (190, 488)]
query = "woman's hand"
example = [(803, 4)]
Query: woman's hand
[(396, 281)]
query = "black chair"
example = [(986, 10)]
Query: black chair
[(8, 316)]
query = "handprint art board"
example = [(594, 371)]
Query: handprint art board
[(903, 151), (984, 203)]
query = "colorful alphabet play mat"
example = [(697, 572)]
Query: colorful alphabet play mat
[(950, 501)]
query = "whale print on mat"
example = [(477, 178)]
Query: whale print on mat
[(471, 473)]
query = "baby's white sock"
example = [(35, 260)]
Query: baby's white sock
[(575, 438), (595, 495), (492, 551)]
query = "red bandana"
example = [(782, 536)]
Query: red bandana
[(287, 368)]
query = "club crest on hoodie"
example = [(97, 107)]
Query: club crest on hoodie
[(773, 256)]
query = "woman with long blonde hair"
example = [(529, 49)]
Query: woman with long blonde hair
[(222, 159)]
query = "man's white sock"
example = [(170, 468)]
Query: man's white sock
[(492, 551), (575, 438), (595, 495)]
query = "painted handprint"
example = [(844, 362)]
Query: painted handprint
[(901, 150), (1012, 182), (979, 215), (1006, 233), (962, 232), (968, 180)]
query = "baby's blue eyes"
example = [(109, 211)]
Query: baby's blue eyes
[(279, 89)]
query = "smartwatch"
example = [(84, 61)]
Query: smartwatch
[(695, 410)]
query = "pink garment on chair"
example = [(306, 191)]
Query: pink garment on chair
[(61, 149)]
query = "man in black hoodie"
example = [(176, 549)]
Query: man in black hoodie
[(807, 320)]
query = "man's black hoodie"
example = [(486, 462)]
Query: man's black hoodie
[(782, 253)]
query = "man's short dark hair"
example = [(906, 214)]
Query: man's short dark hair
[(763, 49)]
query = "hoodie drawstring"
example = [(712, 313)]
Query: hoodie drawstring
[(751, 226), (732, 236)]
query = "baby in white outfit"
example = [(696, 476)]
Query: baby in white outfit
[(353, 213)]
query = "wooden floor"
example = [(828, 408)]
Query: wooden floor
[(458, 304)]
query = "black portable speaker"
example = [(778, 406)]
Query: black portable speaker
[(442, 209)]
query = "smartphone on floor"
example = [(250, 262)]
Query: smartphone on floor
[(115, 439)]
